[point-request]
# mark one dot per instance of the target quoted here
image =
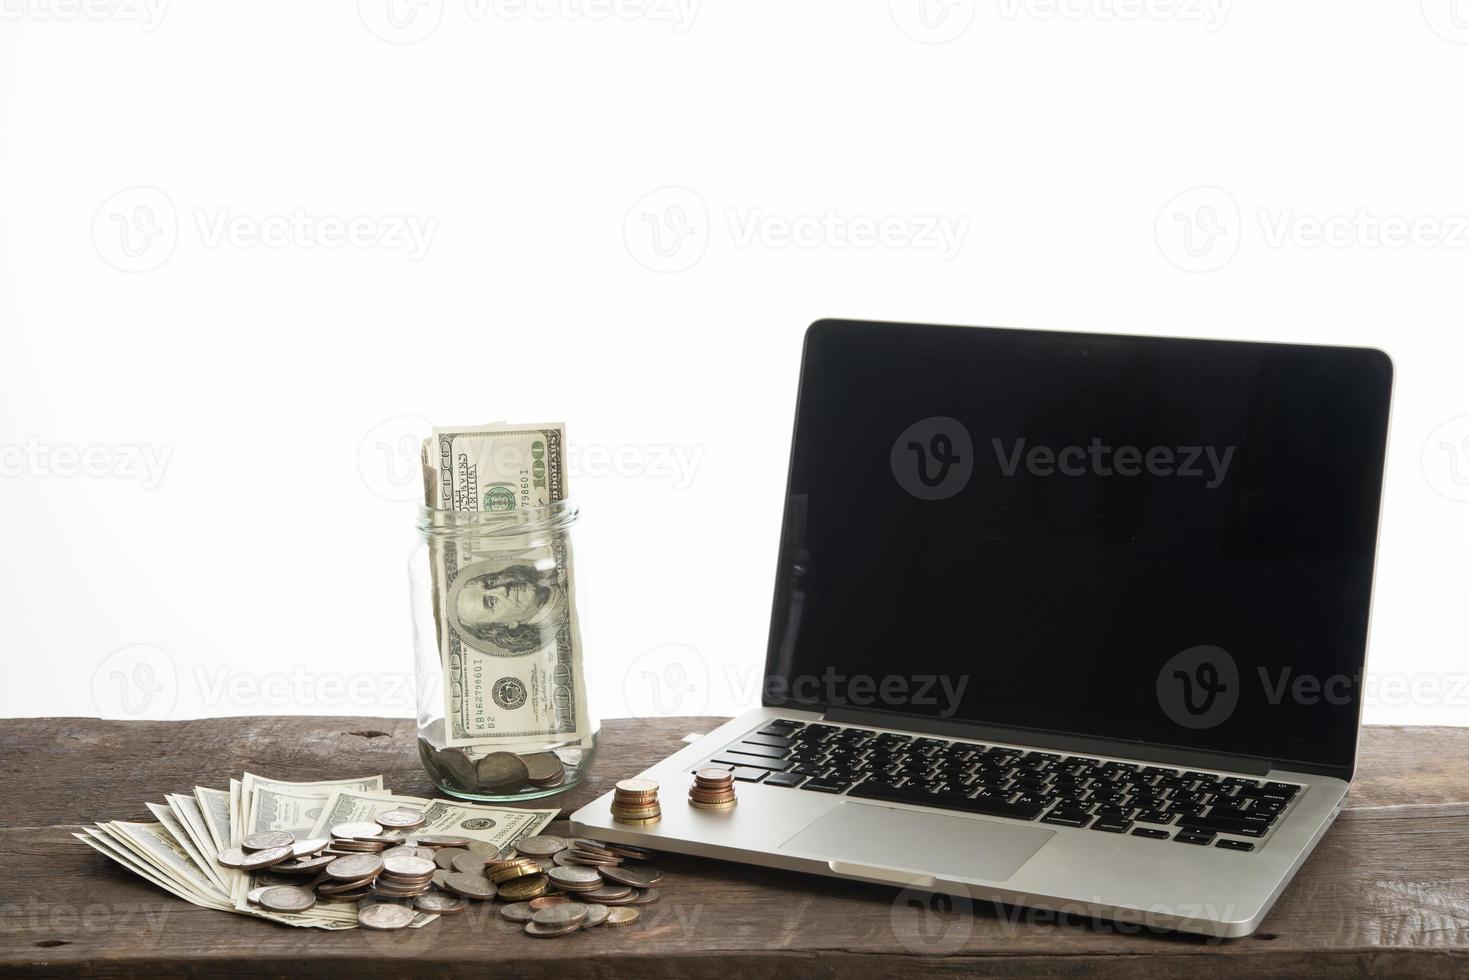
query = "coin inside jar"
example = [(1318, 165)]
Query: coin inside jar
[(286, 898), (264, 839), (501, 772), (543, 768)]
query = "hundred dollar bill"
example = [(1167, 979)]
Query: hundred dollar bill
[(495, 826), (509, 639), (274, 804), (215, 806)]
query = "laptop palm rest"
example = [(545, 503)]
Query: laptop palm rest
[(865, 834)]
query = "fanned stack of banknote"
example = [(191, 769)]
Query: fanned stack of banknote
[(504, 601), (179, 852)]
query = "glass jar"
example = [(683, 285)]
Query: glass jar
[(504, 705)]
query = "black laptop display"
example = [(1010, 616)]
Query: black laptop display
[(1156, 541)]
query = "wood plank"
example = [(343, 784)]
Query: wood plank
[(1386, 893)]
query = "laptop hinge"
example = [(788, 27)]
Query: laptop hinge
[(1142, 751)]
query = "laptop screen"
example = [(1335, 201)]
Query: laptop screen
[(1139, 539)]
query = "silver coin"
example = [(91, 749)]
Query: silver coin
[(445, 856), (353, 867), (542, 846), (440, 904), (266, 857), (607, 892), (517, 912), (646, 897), (561, 914), (408, 866), (596, 915), (427, 853), (477, 887), (536, 929), (400, 819), (253, 895), (637, 877), (570, 876), (310, 846), (444, 840), (231, 857), (385, 916), (357, 829), (286, 898), (264, 839), (467, 863)]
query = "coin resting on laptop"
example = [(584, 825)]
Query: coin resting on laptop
[(1035, 598)]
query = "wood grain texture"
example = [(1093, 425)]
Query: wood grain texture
[(1385, 894)]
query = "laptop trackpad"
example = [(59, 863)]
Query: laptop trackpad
[(913, 840)]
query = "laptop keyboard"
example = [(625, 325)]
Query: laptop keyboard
[(1187, 806)]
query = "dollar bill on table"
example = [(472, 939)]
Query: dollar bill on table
[(509, 638), (492, 828), (276, 804)]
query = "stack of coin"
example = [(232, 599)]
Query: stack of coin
[(363, 837), (713, 789), (635, 801), (518, 879), (404, 876)]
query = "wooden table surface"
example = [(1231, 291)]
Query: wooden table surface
[(1385, 894)]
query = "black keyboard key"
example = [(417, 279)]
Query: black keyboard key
[(825, 786), (1149, 832), (774, 765), (783, 779), (809, 769), (1287, 790), (1184, 837), (1156, 816), (1067, 819), (1234, 845), (1224, 825), (746, 774), (764, 751), (778, 741), (949, 801), (1112, 825)]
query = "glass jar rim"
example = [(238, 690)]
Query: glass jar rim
[(559, 514)]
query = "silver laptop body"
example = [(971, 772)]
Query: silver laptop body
[(1154, 730)]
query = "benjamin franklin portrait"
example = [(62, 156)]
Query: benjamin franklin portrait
[(507, 610)]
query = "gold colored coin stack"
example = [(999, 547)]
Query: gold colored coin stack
[(713, 789), (635, 801)]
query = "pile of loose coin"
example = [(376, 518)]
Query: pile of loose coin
[(580, 884), (713, 789), (576, 882), (635, 801)]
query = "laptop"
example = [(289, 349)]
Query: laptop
[(1065, 621)]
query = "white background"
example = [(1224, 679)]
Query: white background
[(175, 178)]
